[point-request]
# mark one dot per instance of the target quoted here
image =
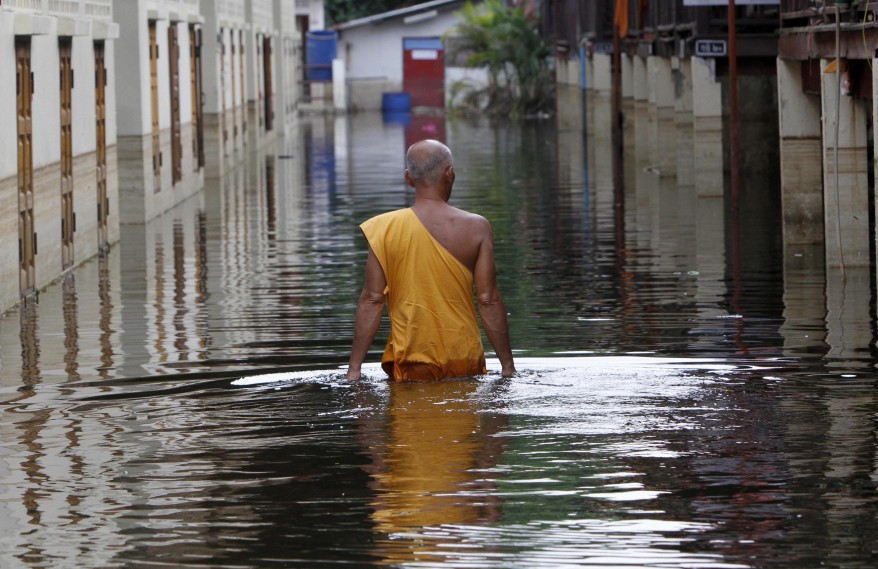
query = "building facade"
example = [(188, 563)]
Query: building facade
[(59, 198), (401, 50), (201, 82), (117, 110)]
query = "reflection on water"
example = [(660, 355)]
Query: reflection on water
[(687, 397)]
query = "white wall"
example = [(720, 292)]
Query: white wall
[(8, 123), (375, 51), (314, 10), (132, 74)]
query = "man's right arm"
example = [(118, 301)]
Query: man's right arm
[(370, 307), (491, 307)]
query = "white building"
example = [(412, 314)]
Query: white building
[(200, 82), (59, 199), (401, 50), (159, 121), (174, 91)]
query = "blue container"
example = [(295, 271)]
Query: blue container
[(396, 102), (320, 50)]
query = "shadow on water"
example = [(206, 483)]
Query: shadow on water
[(688, 396)]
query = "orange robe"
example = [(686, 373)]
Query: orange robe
[(434, 331)]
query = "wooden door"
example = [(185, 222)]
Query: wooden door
[(424, 71), (234, 89), (303, 25), (154, 98), (222, 78), (243, 84), (103, 201), (176, 137), (65, 52), (27, 238), (269, 99), (195, 87)]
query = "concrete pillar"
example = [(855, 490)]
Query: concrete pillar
[(661, 94), (845, 178), (711, 291), (339, 86), (600, 149), (682, 71), (640, 85), (643, 170), (804, 315), (801, 179), (848, 316), (707, 117), (875, 134), (627, 65), (589, 73), (602, 76), (629, 121), (801, 166), (685, 188)]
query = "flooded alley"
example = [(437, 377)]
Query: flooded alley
[(691, 392)]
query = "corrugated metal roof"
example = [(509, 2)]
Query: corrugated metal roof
[(394, 14)]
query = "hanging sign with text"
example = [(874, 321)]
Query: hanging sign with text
[(710, 48)]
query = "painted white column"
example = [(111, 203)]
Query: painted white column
[(602, 76), (339, 85), (683, 120), (801, 179), (801, 165), (845, 181), (627, 70), (661, 97), (707, 109)]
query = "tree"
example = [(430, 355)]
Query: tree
[(338, 11), (505, 42)]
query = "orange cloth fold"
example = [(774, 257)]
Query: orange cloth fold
[(434, 331)]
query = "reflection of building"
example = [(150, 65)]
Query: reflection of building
[(58, 191)]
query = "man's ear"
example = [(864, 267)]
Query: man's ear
[(408, 178)]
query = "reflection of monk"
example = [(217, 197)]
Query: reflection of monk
[(429, 463), (424, 260)]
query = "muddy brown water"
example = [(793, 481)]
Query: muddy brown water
[(686, 397)]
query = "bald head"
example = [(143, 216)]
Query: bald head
[(427, 161)]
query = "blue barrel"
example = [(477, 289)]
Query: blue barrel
[(396, 102), (320, 49)]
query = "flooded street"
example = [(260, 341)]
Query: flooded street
[(690, 394)]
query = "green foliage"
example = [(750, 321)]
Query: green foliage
[(338, 11), (505, 42)]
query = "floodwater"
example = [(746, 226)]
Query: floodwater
[(691, 392)]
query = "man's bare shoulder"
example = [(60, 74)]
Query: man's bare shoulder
[(474, 220)]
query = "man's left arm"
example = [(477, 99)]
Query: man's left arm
[(370, 307)]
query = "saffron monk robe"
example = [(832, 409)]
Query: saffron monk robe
[(422, 263)]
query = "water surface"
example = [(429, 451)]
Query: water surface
[(687, 396)]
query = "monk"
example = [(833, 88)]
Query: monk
[(422, 263)]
